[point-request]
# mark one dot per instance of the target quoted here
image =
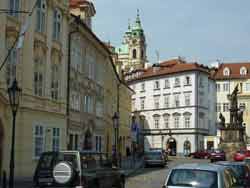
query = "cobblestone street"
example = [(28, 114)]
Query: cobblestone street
[(155, 177)]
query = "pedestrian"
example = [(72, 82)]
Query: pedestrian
[(128, 151)]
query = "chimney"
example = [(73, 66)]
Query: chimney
[(83, 8)]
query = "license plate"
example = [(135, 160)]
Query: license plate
[(45, 180)]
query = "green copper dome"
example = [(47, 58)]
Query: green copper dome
[(123, 49)]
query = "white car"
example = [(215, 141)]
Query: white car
[(201, 176)]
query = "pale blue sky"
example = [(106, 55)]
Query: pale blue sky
[(201, 30)]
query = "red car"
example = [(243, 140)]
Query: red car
[(217, 155), (241, 155), (204, 154)]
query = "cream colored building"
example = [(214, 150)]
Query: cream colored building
[(40, 68), (227, 77)]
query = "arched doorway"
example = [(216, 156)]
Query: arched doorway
[(171, 146), (187, 148)]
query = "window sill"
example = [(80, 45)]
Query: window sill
[(166, 88), (177, 86), (187, 85), (157, 89)]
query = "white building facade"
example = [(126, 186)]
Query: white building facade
[(177, 101)]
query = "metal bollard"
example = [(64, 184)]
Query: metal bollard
[(4, 181)]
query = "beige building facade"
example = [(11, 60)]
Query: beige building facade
[(39, 67)]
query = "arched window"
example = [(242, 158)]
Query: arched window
[(176, 120), (57, 24), (39, 76), (134, 54), (41, 16), (243, 71), (226, 71)]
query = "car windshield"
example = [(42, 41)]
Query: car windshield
[(193, 178), (47, 160), (238, 169)]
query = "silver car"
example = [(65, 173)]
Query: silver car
[(201, 176), (154, 158)]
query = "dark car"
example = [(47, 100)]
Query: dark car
[(203, 154), (217, 155), (154, 158), (77, 169), (241, 169)]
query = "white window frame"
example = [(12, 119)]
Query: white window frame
[(177, 82), (166, 118), (41, 16), (187, 120), (217, 87), (167, 83), (243, 71), (187, 99), (11, 66), (41, 136), (226, 71), (166, 101), (247, 87), (225, 86), (156, 121), (176, 100), (142, 103), (176, 121)]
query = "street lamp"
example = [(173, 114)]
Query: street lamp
[(116, 125), (14, 93)]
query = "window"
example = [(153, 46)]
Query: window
[(226, 87), (225, 107), (98, 143), (57, 24), (166, 120), (142, 103), (177, 100), (166, 101), (88, 104), (75, 100), (99, 108), (226, 71), (77, 56), (11, 67), (39, 77), (187, 121), (133, 104), (243, 71), (156, 85), (201, 84), (41, 16), (90, 67), (177, 82), (218, 107), (134, 54), (187, 99), (176, 121), (56, 139), (218, 87), (247, 86), (38, 140), (14, 6), (142, 87), (187, 80), (167, 83), (156, 121), (156, 102), (55, 80)]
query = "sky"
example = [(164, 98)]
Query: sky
[(198, 30)]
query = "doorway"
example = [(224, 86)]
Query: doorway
[(171, 147)]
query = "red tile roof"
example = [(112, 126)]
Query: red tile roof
[(80, 3), (170, 67), (234, 69)]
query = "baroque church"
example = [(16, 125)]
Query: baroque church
[(132, 53)]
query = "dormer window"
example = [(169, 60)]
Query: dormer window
[(226, 71), (243, 71)]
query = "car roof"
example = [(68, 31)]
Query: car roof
[(230, 163), (201, 166)]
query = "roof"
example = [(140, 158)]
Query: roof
[(201, 166), (169, 67), (234, 71), (82, 3)]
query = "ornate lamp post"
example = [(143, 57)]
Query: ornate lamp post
[(14, 93), (116, 126)]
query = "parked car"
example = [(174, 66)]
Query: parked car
[(241, 155), (217, 155), (164, 152), (154, 158), (241, 170), (77, 169), (203, 154), (201, 175)]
